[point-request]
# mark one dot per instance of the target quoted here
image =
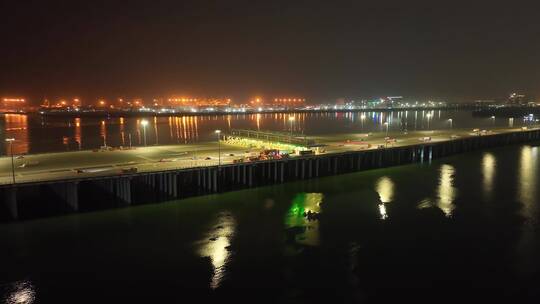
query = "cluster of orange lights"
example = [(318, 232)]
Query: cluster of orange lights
[(289, 99), (13, 100), (182, 99), (201, 102)]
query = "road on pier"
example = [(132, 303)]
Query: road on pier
[(67, 165)]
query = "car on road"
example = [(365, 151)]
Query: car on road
[(306, 152), (426, 138), (208, 158)]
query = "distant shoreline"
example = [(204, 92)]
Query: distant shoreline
[(222, 113)]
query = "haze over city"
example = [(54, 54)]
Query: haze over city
[(241, 49)]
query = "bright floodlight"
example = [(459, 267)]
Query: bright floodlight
[(10, 139), (217, 131), (291, 118), (144, 122)]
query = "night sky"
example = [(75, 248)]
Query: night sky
[(321, 50)]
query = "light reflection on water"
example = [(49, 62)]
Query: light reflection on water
[(489, 164), (216, 246), (22, 292), (528, 168), (527, 195), (446, 190), (296, 217), (385, 188)]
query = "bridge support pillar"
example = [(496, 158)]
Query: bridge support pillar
[(69, 192), (250, 176), (123, 190), (215, 175)]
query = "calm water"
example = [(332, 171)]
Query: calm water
[(460, 228), (35, 134)]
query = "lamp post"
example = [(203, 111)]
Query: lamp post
[(493, 120), (144, 123), (386, 124), (11, 140), (218, 133), (291, 120), (451, 123)]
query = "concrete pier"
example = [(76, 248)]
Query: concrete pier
[(170, 184)]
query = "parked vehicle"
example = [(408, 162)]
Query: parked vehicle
[(129, 170)]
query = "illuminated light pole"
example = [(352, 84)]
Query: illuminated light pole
[(451, 123), (386, 124), (144, 123), (218, 133), (291, 121), (11, 140), (493, 120)]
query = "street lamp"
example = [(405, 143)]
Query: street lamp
[(144, 123), (386, 124), (450, 121), (218, 133), (493, 119), (291, 121), (11, 140)]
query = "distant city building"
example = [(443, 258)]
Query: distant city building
[(485, 102), (289, 102), (198, 102), (517, 99), (10, 104)]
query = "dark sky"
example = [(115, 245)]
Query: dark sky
[(317, 49)]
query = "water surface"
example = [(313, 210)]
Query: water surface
[(439, 231)]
